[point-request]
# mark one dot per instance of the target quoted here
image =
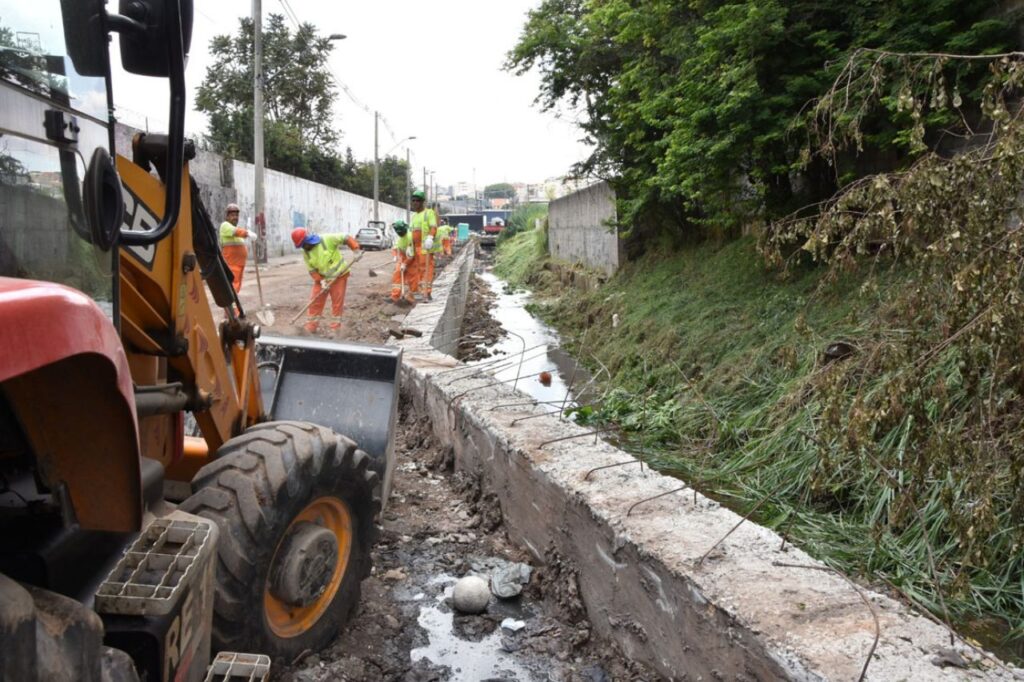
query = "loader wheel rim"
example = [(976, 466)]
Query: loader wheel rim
[(286, 620)]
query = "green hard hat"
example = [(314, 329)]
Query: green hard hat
[(419, 194), (400, 227)]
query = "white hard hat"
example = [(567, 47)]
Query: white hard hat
[(232, 207)]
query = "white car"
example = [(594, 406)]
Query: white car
[(374, 238)]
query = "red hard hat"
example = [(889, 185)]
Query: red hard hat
[(298, 236)]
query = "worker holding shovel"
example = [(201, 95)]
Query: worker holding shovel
[(406, 271), (329, 270)]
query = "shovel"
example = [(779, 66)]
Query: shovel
[(265, 315), (327, 285)]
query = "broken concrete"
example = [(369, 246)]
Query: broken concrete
[(753, 609)]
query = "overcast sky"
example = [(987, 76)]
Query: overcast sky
[(398, 53)]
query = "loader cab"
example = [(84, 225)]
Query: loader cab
[(62, 215), (53, 120)]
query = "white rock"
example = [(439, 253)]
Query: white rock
[(471, 594), (513, 625)]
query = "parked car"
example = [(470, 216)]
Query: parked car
[(376, 237)]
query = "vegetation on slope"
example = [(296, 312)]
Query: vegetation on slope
[(738, 380)]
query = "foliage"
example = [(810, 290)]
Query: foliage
[(299, 134), (523, 218), (501, 190), (719, 369), (298, 91), (697, 110), (519, 257)]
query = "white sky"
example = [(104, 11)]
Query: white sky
[(399, 55)]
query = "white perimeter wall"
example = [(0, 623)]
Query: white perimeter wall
[(293, 202)]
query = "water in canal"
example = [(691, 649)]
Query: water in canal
[(543, 352)]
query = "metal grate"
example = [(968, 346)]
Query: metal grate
[(160, 563), (232, 667)]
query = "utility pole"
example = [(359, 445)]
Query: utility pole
[(376, 171), (426, 187), (257, 130), (408, 187)]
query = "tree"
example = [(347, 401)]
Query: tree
[(697, 111), (501, 190), (298, 94)]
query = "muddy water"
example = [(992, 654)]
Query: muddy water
[(531, 347)]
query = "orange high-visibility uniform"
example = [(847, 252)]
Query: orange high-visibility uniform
[(325, 262), (232, 245), (337, 295), (411, 275), (424, 221)]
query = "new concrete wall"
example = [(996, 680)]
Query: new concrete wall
[(290, 201), (753, 609), (579, 228)]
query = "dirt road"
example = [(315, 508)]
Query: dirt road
[(286, 287)]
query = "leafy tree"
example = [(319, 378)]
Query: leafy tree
[(298, 96), (501, 190), (697, 110)]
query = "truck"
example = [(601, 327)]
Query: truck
[(181, 498)]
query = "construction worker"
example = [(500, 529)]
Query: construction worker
[(444, 235), (232, 244), (424, 230), (406, 267), (328, 268)]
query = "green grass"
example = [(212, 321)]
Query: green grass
[(717, 366), (520, 257)]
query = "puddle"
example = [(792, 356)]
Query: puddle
[(470, 659), (542, 351)]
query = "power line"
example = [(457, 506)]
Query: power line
[(294, 17), (290, 13)]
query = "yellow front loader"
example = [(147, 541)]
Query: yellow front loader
[(164, 491)]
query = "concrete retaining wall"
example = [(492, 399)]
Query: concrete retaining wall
[(290, 201), (579, 228), (737, 615)]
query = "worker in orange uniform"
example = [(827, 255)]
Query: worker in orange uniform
[(405, 265), (444, 234), (424, 229), (232, 244), (328, 268)]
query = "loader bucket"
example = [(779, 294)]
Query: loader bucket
[(349, 387)]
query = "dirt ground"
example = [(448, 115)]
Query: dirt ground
[(480, 330), (438, 527), (286, 287)]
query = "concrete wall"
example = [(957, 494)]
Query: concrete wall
[(290, 201), (755, 609), (579, 232), (294, 202)]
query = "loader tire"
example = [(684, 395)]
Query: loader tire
[(282, 494)]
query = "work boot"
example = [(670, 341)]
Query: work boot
[(311, 327), (335, 327)]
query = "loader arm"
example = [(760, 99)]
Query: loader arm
[(171, 335)]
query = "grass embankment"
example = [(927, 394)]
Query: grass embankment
[(723, 371)]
